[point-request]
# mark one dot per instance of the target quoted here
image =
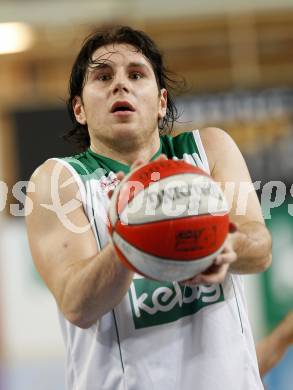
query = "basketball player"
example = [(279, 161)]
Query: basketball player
[(123, 331)]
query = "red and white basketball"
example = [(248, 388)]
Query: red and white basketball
[(168, 220)]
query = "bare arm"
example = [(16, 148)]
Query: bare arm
[(272, 348), (85, 283), (252, 241)]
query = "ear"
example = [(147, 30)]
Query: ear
[(78, 109), (163, 103)]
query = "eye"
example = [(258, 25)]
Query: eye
[(104, 77), (136, 75)]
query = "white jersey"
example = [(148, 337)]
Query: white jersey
[(162, 336)]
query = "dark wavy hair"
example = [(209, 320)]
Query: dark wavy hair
[(142, 42)]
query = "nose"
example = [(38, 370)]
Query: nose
[(120, 84), (120, 87)]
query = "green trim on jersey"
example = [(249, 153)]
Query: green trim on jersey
[(90, 164), (179, 145)]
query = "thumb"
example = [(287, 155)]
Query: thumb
[(232, 227)]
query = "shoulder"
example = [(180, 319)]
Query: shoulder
[(53, 176), (210, 137), (218, 145), (215, 138), (49, 169)]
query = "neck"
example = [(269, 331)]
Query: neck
[(128, 151)]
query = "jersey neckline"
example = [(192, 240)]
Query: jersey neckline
[(115, 165)]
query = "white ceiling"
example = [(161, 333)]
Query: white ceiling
[(50, 12)]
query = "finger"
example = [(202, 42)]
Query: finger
[(197, 278), (188, 283), (232, 227), (161, 157), (120, 175), (110, 193), (213, 277), (228, 258), (228, 254), (137, 163)]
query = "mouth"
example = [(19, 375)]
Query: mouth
[(122, 107)]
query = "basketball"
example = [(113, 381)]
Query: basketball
[(168, 220)]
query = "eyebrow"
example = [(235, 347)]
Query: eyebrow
[(104, 65), (98, 65), (137, 65)]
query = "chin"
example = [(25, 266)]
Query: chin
[(128, 138), (128, 131)]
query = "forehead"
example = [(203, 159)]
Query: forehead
[(120, 53)]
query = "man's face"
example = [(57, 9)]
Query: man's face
[(120, 97)]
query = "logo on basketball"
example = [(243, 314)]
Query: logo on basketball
[(196, 239)]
